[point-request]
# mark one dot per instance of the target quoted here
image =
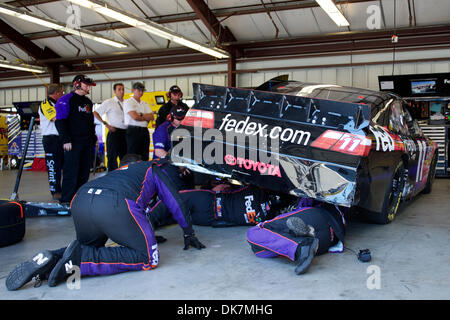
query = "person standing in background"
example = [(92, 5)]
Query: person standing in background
[(75, 125), (116, 143), (175, 95), (54, 153), (137, 115)]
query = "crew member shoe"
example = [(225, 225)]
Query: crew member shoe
[(160, 239), (37, 267), (70, 258), (298, 227), (56, 196), (304, 255)]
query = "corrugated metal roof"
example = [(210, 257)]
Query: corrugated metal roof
[(246, 27)]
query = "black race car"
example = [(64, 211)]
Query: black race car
[(346, 146)]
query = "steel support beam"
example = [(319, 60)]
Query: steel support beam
[(346, 36), (147, 54), (201, 9), (26, 3), (24, 43), (55, 73), (347, 45), (231, 70)]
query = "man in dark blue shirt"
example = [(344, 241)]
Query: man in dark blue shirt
[(75, 125)]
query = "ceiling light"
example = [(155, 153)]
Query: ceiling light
[(56, 25), (22, 66), (330, 8), (105, 9)]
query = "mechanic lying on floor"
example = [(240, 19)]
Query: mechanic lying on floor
[(220, 206), (313, 228), (112, 207)]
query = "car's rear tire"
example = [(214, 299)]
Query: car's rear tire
[(431, 175), (392, 198)]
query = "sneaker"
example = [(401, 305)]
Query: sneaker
[(37, 267), (71, 257), (305, 254), (299, 228)]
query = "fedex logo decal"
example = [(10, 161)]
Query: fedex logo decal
[(250, 213), (86, 108), (252, 128)]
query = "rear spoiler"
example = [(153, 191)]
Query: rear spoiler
[(285, 107)]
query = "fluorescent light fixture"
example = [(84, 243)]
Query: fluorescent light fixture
[(105, 9), (330, 8), (56, 25), (22, 66)]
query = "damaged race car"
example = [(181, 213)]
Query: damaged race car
[(350, 147)]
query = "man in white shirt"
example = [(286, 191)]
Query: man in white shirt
[(51, 141), (137, 115), (116, 143)]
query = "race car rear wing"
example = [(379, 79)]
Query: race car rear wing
[(287, 107), (319, 143)]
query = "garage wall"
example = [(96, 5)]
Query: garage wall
[(356, 76), (348, 70)]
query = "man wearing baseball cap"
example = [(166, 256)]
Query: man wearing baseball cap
[(175, 95), (75, 125), (137, 114), (161, 136)]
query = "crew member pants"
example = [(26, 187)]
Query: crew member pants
[(272, 238), (138, 141), (99, 215), (76, 169), (54, 156), (116, 146), (102, 213)]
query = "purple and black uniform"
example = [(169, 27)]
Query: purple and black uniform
[(113, 206), (272, 238), (75, 124), (161, 136), (247, 205)]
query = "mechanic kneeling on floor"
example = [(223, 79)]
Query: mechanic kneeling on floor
[(113, 206), (312, 228)]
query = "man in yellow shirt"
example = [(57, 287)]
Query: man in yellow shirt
[(54, 153)]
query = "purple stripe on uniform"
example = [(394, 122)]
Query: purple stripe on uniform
[(103, 268), (272, 241), (140, 218), (148, 190), (171, 203), (266, 254), (305, 202)]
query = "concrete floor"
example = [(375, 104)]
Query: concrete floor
[(412, 256)]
